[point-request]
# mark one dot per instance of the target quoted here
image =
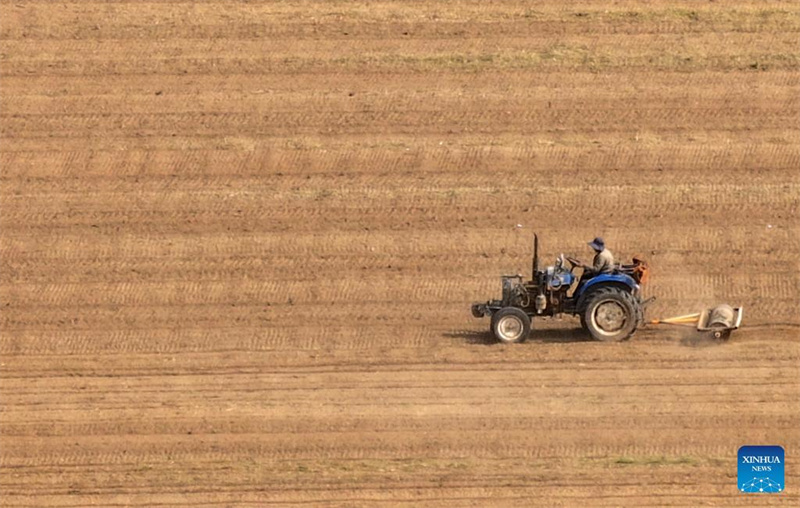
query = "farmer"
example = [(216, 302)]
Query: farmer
[(603, 259)]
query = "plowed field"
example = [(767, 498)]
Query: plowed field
[(240, 240)]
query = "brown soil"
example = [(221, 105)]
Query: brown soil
[(240, 240)]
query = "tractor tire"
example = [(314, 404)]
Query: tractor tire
[(611, 315), (510, 325)]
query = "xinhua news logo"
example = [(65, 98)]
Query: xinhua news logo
[(761, 469)]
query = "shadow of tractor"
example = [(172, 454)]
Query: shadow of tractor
[(545, 336)]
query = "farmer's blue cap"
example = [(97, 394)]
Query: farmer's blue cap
[(597, 244)]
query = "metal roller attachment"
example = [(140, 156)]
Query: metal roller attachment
[(721, 316), (720, 320)]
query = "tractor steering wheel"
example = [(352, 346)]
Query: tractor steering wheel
[(574, 262)]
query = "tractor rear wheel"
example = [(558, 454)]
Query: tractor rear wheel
[(510, 325), (611, 315)]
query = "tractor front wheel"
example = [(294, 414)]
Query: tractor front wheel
[(510, 325), (611, 315)]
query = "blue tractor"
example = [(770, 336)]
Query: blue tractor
[(609, 305)]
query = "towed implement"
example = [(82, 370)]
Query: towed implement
[(717, 322)]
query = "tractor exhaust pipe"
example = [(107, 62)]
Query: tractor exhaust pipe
[(535, 256)]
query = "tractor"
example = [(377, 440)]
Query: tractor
[(609, 305)]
